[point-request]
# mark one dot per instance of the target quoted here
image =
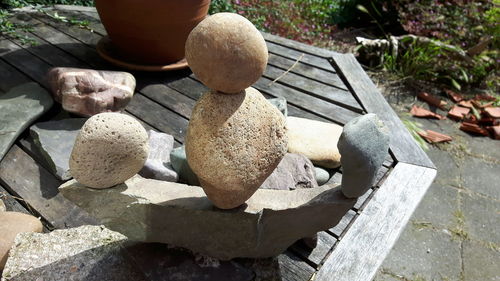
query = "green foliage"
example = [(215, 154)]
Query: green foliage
[(218, 6), (415, 127), (14, 31), (21, 3)]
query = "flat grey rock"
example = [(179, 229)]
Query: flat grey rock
[(322, 176), (294, 171), (280, 103), (158, 164), (181, 215), (55, 140), (180, 164), (19, 107), (82, 253), (363, 144)]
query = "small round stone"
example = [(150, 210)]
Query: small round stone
[(110, 148), (226, 52)]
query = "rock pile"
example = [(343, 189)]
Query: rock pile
[(235, 138)]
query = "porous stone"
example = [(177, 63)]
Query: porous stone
[(181, 166), (55, 140), (110, 148), (88, 92), (11, 224), (363, 144), (314, 139), (226, 52), (182, 215), (3, 208), (280, 104), (158, 164), (322, 176), (233, 143), (294, 171), (82, 253), (19, 107)]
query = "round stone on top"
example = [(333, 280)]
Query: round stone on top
[(226, 52), (110, 148)]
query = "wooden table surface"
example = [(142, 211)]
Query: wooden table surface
[(323, 85)]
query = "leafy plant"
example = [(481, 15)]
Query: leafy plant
[(415, 127), (14, 31)]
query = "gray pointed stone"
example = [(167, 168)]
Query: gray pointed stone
[(158, 164), (322, 175), (280, 103), (82, 253), (19, 107), (364, 144), (294, 171), (182, 215), (55, 140), (180, 164)]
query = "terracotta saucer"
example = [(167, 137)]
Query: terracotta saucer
[(107, 51)]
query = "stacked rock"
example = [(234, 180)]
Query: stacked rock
[(235, 137)]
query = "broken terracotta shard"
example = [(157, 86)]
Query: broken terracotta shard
[(432, 100), (434, 137), (454, 96), (466, 103), (458, 112), (473, 128), (492, 111), (495, 131), (418, 111)]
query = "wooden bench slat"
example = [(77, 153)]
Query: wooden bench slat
[(308, 49), (340, 228), (25, 178), (293, 268), (325, 243), (363, 248), (294, 55)]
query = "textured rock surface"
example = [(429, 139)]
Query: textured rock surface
[(110, 148), (280, 104), (158, 164), (181, 215), (226, 52), (363, 145), (55, 140), (88, 92), (322, 176), (82, 253), (19, 107), (181, 166), (233, 143), (294, 171), (3, 208), (314, 139), (11, 224)]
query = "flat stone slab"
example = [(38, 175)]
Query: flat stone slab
[(181, 215), (82, 253), (55, 140), (19, 107)]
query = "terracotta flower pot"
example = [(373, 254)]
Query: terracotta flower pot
[(151, 31)]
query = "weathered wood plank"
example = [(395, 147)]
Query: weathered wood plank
[(294, 55), (293, 268), (362, 250), (325, 243), (170, 99), (313, 88), (10, 77), (403, 146), (362, 200), (306, 70), (308, 49), (339, 230), (25, 178)]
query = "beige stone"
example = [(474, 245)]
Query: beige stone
[(2, 206), (88, 92), (233, 143), (11, 224), (314, 139), (226, 52), (110, 148)]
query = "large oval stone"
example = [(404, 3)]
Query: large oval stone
[(110, 148), (226, 52), (233, 143)]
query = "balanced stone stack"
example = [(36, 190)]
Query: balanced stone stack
[(235, 137)]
